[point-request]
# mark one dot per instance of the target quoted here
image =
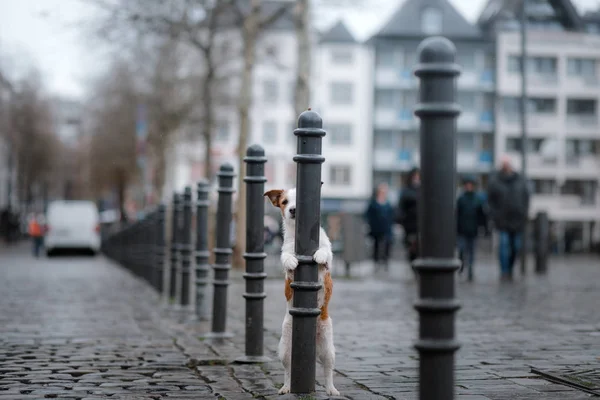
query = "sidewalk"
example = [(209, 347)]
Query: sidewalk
[(548, 322), (84, 328)]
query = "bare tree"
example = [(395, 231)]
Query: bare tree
[(303, 34), (252, 23), (193, 23), (113, 148), (34, 143)]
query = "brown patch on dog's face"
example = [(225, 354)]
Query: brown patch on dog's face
[(278, 199)]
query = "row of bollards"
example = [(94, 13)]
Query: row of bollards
[(436, 267), (178, 268)]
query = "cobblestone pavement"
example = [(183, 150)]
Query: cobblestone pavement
[(542, 321), (76, 327), (82, 328)]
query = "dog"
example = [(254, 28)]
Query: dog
[(285, 200)]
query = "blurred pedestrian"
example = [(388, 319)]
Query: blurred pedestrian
[(470, 216), (408, 215), (380, 217), (508, 199), (36, 233)]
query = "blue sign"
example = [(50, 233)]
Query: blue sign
[(405, 114), (487, 76), (487, 116), (405, 155), (485, 157)]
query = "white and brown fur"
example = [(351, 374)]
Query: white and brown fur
[(285, 200)]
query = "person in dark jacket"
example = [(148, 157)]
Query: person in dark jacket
[(470, 216), (380, 217), (508, 199), (408, 215)]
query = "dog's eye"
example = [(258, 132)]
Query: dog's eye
[(284, 202)]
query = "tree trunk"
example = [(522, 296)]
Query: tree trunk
[(209, 120), (120, 181), (249, 33), (302, 24)]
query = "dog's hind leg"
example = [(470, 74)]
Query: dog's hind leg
[(326, 353), (285, 352)]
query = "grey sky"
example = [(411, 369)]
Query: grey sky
[(46, 33)]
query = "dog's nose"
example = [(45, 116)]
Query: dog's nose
[(293, 212)]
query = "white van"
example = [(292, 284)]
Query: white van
[(72, 224)]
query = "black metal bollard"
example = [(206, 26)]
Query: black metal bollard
[(308, 219), (222, 253), (174, 250), (159, 249), (255, 255), (542, 236), (437, 264), (186, 247), (202, 253)]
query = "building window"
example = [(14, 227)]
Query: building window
[(514, 63), (511, 105), (431, 20), (580, 148), (341, 93), (384, 140), (384, 98), (541, 105), (466, 59), (269, 132), (544, 186), (466, 101), (270, 91), (466, 142), (222, 131), (535, 65), (410, 141), (384, 56), (584, 67), (340, 134), (581, 107), (533, 145), (339, 175), (542, 65), (341, 57)]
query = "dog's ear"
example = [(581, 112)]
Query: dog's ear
[(274, 195)]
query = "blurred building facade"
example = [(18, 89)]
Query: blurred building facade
[(563, 125), (395, 128), (341, 94)]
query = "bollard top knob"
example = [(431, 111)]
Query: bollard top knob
[(202, 183), (310, 119), (255, 150), (436, 49), (226, 167)]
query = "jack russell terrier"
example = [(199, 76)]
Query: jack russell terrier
[(285, 200)]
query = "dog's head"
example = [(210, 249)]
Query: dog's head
[(285, 200)]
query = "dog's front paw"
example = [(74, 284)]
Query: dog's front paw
[(332, 391), (289, 262), (284, 389), (322, 256)]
